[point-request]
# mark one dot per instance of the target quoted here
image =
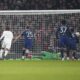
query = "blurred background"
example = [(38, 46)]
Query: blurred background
[(39, 4)]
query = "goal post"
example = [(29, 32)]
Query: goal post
[(43, 24)]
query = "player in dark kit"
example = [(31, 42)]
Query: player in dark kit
[(28, 41), (73, 41), (63, 34)]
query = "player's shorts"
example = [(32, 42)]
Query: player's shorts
[(28, 44), (63, 41), (72, 44), (6, 45)]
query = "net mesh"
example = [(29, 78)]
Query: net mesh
[(43, 25)]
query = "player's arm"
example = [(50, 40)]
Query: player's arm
[(17, 38), (57, 32), (2, 36)]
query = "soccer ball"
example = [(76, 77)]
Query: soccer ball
[(77, 34)]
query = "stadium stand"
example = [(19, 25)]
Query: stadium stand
[(39, 4)]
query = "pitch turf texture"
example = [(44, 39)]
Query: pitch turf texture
[(39, 70)]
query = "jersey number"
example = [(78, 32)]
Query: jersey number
[(63, 29), (29, 34)]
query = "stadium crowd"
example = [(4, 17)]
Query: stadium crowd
[(38, 4)]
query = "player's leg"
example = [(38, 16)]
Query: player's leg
[(2, 49), (1, 53), (62, 47), (62, 53), (6, 52), (23, 53), (24, 50), (68, 50), (68, 47), (7, 49), (28, 48), (73, 48), (67, 54), (74, 55), (27, 52)]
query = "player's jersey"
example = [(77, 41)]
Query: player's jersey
[(72, 41), (63, 34), (7, 36), (27, 34), (28, 39), (63, 31)]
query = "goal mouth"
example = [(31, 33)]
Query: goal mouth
[(43, 24)]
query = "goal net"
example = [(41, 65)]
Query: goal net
[(43, 24)]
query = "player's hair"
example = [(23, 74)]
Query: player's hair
[(7, 28), (63, 22), (72, 29), (27, 27)]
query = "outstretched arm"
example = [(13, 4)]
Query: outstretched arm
[(17, 38)]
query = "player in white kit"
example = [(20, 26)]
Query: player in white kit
[(6, 40)]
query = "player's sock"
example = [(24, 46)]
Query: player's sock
[(68, 54), (62, 53), (74, 55), (67, 58), (1, 52), (63, 59), (23, 57), (27, 53), (6, 52), (23, 54)]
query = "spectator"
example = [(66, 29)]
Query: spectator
[(39, 4)]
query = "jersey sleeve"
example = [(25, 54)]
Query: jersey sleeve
[(2, 36), (23, 33), (57, 32)]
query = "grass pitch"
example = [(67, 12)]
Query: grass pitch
[(39, 70)]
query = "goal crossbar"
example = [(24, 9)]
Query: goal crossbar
[(36, 12)]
